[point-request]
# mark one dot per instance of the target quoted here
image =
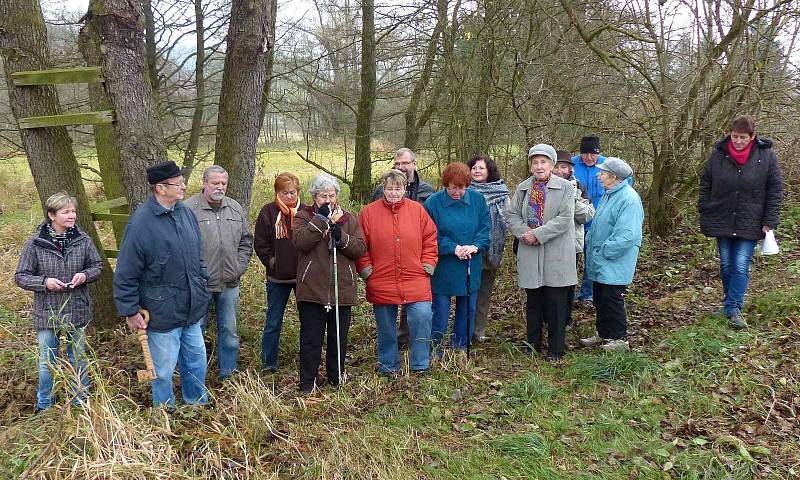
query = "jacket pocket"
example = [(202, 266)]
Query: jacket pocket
[(160, 302)]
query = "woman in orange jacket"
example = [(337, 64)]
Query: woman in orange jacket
[(401, 255)]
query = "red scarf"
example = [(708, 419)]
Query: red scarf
[(740, 156)]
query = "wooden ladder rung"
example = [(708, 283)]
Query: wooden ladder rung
[(83, 118), (57, 76)]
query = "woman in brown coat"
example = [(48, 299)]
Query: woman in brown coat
[(274, 247), (317, 229)]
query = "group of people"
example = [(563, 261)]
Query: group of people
[(416, 249)]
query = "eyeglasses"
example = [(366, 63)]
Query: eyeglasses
[(182, 184)]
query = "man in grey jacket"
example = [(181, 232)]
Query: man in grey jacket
[(227, 246)]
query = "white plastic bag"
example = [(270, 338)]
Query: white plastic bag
[(769, 246)]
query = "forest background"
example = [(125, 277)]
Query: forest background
[(261, 87)]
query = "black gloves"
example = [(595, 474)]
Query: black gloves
[(336, 232), (325, 210)]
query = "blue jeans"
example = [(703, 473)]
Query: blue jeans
[(184, 347), (586, 284), (277, 298), (419, 327), (734, 268), (48, 353), (441, 314), (226, 303)]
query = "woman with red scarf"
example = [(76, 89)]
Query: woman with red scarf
[(741, 191), (274, 247)]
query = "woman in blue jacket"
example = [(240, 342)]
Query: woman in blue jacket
[(463, 224), (612, 248)]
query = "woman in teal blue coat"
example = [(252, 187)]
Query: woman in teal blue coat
[(612, 249), (463, 227)]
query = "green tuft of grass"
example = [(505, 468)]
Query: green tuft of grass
[(531, 390), (613, 366)]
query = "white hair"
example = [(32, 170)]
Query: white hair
[(321, 182), (213, 169)]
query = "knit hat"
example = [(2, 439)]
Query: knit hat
[(564, 156), (543, 149), (590, 144), (617, 167)]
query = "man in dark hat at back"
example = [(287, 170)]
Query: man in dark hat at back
[(160, 269), (585, 170)]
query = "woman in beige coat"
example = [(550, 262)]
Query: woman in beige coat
[(541, 217)]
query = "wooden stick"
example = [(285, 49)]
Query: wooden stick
[(150, 372)]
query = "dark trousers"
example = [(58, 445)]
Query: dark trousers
[(547, 304), (571, 293), (314, 321), (609, 304), (402, 330)]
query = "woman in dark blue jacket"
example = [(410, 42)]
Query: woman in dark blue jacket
[(463, 226), (741, 191)]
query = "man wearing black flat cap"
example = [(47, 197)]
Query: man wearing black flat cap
[(160, 269)]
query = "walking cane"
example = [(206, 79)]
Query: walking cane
[(336, 307), (469, 305), (150, 372)]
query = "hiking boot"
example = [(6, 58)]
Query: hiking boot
[(614, 345), (593, 341), (553, 358), (737, 320)]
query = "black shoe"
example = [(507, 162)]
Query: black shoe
[(420, 373), (553, 358)]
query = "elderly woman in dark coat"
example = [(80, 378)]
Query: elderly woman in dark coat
[(57, 264), (317, 229), (741, 191), (486, 179)]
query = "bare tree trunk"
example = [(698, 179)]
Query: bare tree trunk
[(104, 139), (413, 126), (137, 128), (150, 42), (240, 111), (362, 164), (270, 61), (200, 91), (23, 46)]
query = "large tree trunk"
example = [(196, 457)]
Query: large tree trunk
[(137, 128), (200, 91), (104, 139), (240, 110), (362, 165), (23, 46)]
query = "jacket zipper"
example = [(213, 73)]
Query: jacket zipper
[(306, 271)]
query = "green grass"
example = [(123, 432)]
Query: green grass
[(672, 408)]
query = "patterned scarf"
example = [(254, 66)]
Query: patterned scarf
[(496, 194), (61, 240), (287, 212), (538, 197)]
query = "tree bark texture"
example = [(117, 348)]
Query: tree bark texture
[(104, 139), (240, 105), (23, 46), (362, 165), (200, 91), (120, 25)]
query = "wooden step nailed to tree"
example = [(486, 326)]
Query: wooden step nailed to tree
[(83, 118), (57, 76)]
